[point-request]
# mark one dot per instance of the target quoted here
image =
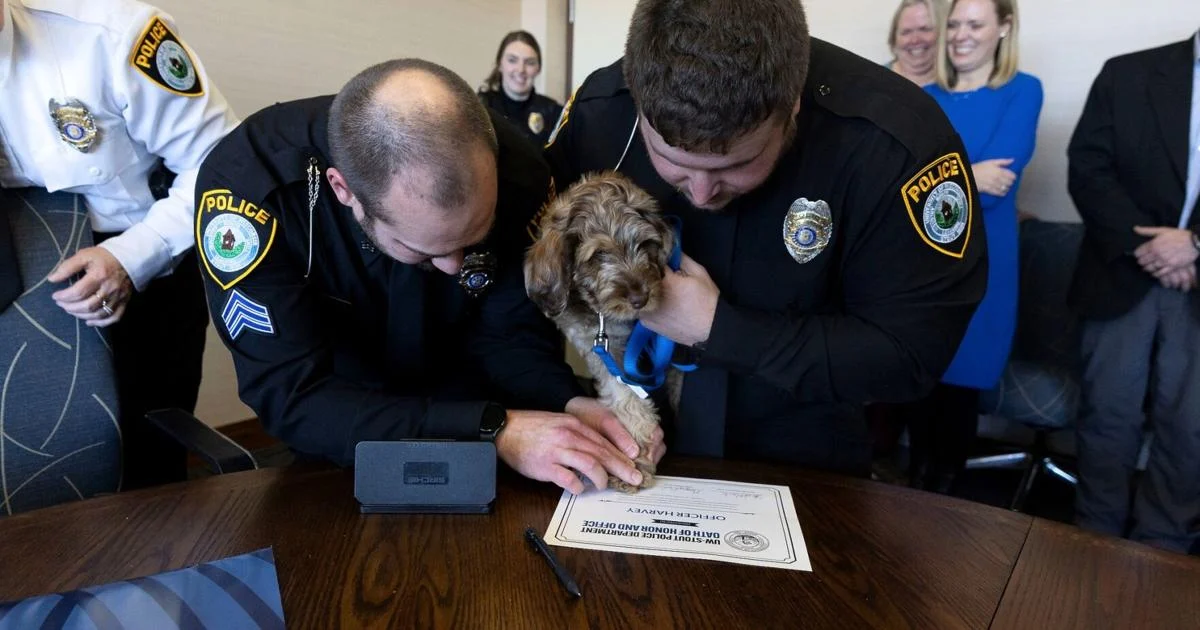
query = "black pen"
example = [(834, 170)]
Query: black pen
[(559, 570)]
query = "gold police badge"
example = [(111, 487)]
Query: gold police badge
[(807, 229), (76, 125), (536, 122)]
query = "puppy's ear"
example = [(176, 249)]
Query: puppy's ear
[(548, 263)]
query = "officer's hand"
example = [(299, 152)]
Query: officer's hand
[(992, 177), (1168, 250), (1180, 279), (547, 446), (689, 303), (595, 415), (104, 283)]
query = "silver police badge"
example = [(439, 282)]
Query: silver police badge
[(807, 229), (76, 125)]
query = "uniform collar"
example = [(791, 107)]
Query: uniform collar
[(6, 42)]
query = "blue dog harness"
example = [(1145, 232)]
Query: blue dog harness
[(645, 347)]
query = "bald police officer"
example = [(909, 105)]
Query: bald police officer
[(95, 97), (363, 261), (833, 254)]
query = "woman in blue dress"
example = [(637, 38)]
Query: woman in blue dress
[(995, 109)]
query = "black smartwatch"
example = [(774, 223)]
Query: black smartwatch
[(492, 423)]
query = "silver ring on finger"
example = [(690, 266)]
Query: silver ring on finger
[(104, 306)]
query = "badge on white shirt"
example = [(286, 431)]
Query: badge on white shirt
[(76, 125)]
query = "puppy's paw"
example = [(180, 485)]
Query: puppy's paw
[(647, 468), (644, 466), (621, 486)]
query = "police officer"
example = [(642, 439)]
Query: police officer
[(509, 88), (96, 98), (833, 256), (363, 262)]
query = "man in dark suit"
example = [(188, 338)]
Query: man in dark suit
[(1135, 176)]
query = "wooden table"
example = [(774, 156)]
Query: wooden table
[(1068, 578), (882, 556)]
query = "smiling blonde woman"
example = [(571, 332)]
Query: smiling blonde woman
[(913, 39)]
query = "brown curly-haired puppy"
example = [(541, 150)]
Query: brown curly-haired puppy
[(603, 249)]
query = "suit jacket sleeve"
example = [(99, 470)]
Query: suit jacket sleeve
[(1108, 208), (285, 368), (904, 309)]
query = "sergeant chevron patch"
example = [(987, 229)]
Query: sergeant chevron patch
[(242, 313)]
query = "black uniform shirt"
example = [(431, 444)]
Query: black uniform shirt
[(335, 343), (534, 116), (875, 315)]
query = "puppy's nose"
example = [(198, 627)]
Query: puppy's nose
[(637, 298)]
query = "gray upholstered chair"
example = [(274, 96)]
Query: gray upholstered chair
[(1040, 385), (58, 402), (58, 405)]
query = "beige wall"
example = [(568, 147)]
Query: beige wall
[(260, 52), (546, 20), (600, 29)]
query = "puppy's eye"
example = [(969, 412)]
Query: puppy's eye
[(599, 256)]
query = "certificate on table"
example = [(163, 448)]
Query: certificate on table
[(743, 523)]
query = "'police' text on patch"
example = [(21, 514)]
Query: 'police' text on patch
[(938, 199), (232, 235)]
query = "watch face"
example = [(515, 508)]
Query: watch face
[(494, 417)]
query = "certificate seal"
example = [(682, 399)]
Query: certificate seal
[(743, 540)]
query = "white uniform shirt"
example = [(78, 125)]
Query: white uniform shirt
[(149, 98)]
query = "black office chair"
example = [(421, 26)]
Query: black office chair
[(1040, 388)]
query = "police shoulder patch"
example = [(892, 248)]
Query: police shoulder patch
[(938, 199), (562, 120), (160, 56), (232, 235)]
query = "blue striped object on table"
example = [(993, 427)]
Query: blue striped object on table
[(241, 592)]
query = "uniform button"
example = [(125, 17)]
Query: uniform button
[(95, 172), (823, 90)]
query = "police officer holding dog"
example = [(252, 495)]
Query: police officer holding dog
[(833, 254)]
